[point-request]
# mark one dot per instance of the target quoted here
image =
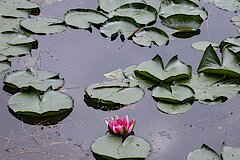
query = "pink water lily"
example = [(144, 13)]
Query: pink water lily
[(120, 126)]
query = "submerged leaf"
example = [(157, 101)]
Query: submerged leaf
[(113, 147), (83, 18)]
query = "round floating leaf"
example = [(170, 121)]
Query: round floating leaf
[(114, 93), (204, 153), (41, 80), (155, 70), (16, 44), (230, 153), (29, 102), (83, 18), (124, 25), (9, 24), (18, 8), (229, 5), (149, 36), (212, 90), (110, 5), (140, 12), (183, 22), (4, 63), (173, 94), (202, 45), (171, 108), (184, 7), (232, 43), (41, 25), (112, 147), (211, 64)]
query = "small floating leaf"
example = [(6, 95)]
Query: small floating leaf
[(155, 70), (173, 108), (149, 36), (113, 147), (202, 45), (124, 25), (229, 5), (41, 25), (83, 18), (110, 5), (116, 74), (140, 12), (41, 80)]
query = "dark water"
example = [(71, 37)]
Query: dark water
[(82, 58)]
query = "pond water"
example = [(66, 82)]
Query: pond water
[(82, 58)]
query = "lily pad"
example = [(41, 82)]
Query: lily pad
[(116, 74), (16, 44), (202, 45), (83, 18), (173, 108), (9, 24), (140, 12), (43, 26), (149, 36), (228, 67), (4, 63), (124, 25), (173, 94), (155, 70), (114, 93), (110, 5), (229, 5), (39, 79), (183, 22), (204, 153), (211, 89), (186, 34), (18, 8), (183, 7), (232, 43), (30, 102), (230, 153), (113, 147)]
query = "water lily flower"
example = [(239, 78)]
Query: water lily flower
[(122, 127)]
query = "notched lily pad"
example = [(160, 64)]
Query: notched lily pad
[(84, 18), (39, 79), (111, 93), (148, 36), (140, 12), (43, 26), (113, 147), (173, 108), (155, 70), (16, 44), (29, 105), (124, 25)]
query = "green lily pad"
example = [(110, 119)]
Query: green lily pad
[(229, 5), (202, 45), (16, 44), (232, 43), (140, 12), (116, 74), (9, 24), (18, 8), (183, 7), (173, 108), (114, 93), (211, 64), (212, 89), (43, 26), (173, 94), (204, 153), (41, 80), (230, 153), (110, 5), (183, 22), (236, 20), (155, 4), (83, 18), (149, 36), (4, 63), (155, 70), (124, 25), (113, 147), (30, 102)]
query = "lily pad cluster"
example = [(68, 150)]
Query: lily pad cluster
[(36, 99), (206, 153)]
